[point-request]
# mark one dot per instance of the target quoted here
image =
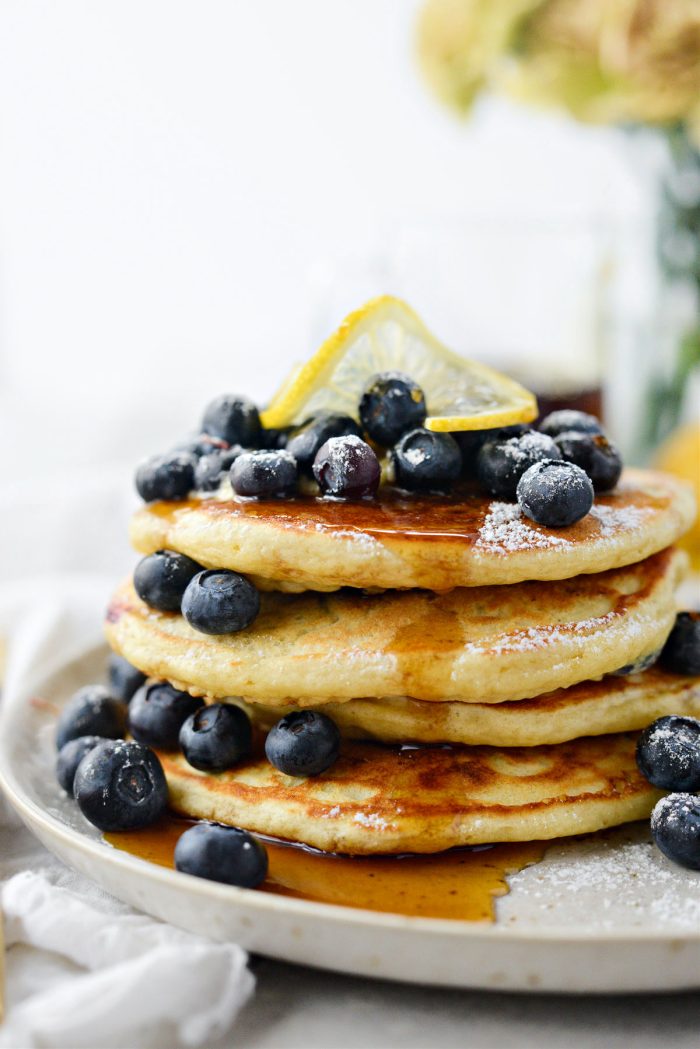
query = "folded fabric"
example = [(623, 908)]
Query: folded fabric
[(84, 969), (143, 982)]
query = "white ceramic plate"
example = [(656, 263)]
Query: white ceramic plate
[(606, 915)]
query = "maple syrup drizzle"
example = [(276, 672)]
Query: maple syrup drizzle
[(397, 515), (461, 884)]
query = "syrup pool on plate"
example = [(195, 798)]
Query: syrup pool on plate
[(461, 884)]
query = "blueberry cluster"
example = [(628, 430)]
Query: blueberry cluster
[(216, 736), (265, 464), (120, 785), (668, 755), (553, 472), (213, 602)]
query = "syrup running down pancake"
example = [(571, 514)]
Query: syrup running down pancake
[(397, 541), (474, 644)]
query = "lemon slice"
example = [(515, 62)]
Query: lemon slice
[(386, 335)]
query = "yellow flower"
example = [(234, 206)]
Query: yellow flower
[(462, 43), (614, 61), (605, 61)]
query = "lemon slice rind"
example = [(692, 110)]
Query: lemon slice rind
[(387, 335)]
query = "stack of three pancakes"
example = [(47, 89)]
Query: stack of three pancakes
[(486, 673)]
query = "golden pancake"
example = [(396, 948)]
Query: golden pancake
[(591, 708), (379, 799), (398, 541), (474, 645)]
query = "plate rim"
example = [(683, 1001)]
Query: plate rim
[(32, 813)]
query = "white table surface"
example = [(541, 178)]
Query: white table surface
[(297, 1008)]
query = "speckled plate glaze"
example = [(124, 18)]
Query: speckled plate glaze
[(605, 914)]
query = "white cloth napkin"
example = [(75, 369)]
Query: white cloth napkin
[(84, 969)]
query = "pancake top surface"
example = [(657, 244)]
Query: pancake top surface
[(388, 799), (401, 541), (476, 644)]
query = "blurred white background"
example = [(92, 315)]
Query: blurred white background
[(191, 193)]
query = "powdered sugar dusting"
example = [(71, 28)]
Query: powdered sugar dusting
[(532, 638), (673, 810), (673, 742), (528, 448), (370, 819), (614, 519), (606, 882), (416, 456), (505, 530)]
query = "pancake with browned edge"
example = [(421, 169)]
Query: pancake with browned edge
[(397, 541), (591, 708), (379, 799), (473, 644)]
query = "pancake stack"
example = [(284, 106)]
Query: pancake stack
[(487, 674)]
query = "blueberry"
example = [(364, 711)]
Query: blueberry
[(264, 474), (425, 461), (303, 743), (233, 419), (211, 469), (275, 439), (668, 753), (69, 757), (504, 433), (595, 454), (555, 493), (157, 713), (472, 441), (124, 679), (91, 711), (227, 854), (202, 444), (391, 405), (503, 461), (675, 827), (681, 653), (347, 468), (220, 602), (168, 476), (120, 786), (306, 440), (161, 579), (639, 665), (568, 419), (215, 737)]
